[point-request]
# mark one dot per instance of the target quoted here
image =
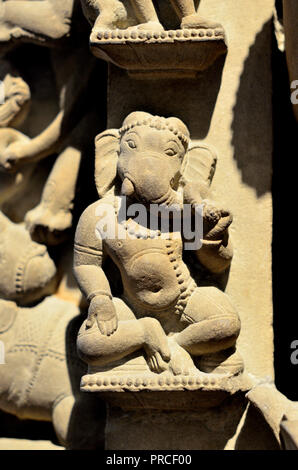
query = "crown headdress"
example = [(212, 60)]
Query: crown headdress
[(158, 123)]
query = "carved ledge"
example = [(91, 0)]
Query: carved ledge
[(165, 391), (161, 54), (141, 387), (107, 382)]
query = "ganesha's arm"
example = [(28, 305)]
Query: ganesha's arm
[(216, 252), (88, 254), (90, 275), (49, 18)]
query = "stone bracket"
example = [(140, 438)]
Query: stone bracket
[(165, 54)]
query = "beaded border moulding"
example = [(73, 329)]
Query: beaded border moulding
[(162, 54)]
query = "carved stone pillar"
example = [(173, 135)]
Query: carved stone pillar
[(135, 243), (215, 77)]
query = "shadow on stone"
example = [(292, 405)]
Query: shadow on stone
[(251, 141)]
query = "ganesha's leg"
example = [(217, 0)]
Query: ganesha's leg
[(131, 335), (211, 323), (190, 19), (146, 14), (49, 220)]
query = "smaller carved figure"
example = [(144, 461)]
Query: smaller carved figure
[(113, 14), (65, 136), (163, 312), (14, 107)]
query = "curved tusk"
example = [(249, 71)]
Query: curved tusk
[(127, 188)]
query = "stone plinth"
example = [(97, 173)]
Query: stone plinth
[(166, 54), (228, 106)]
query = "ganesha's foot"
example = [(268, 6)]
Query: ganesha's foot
[(155, 345), (48, 227), (152, 26), (97, 349), (197, 22), (228, 362), (114, 18), (181, 362)]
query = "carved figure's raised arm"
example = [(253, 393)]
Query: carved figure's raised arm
[(72, 88)]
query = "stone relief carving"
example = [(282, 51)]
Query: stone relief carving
[(65, 135), (13, 112), (127, 34), (41, 374), (42, 368), (28, 273), (176, 327), (33, 335), (16, 96), (47, 21), (152, 317), (114, 14)]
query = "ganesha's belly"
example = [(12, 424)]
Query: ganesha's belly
[(150, 280)]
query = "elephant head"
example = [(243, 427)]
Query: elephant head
[(150, 158)]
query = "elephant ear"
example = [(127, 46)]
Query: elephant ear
[(106, 156), (198, 172)]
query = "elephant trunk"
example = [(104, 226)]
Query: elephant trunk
[(168, 198)]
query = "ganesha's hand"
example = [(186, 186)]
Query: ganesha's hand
[(102, 310), (212, 212), (11, 158), (216, 219)]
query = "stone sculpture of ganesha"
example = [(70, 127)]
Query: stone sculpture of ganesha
[(164, 323)]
